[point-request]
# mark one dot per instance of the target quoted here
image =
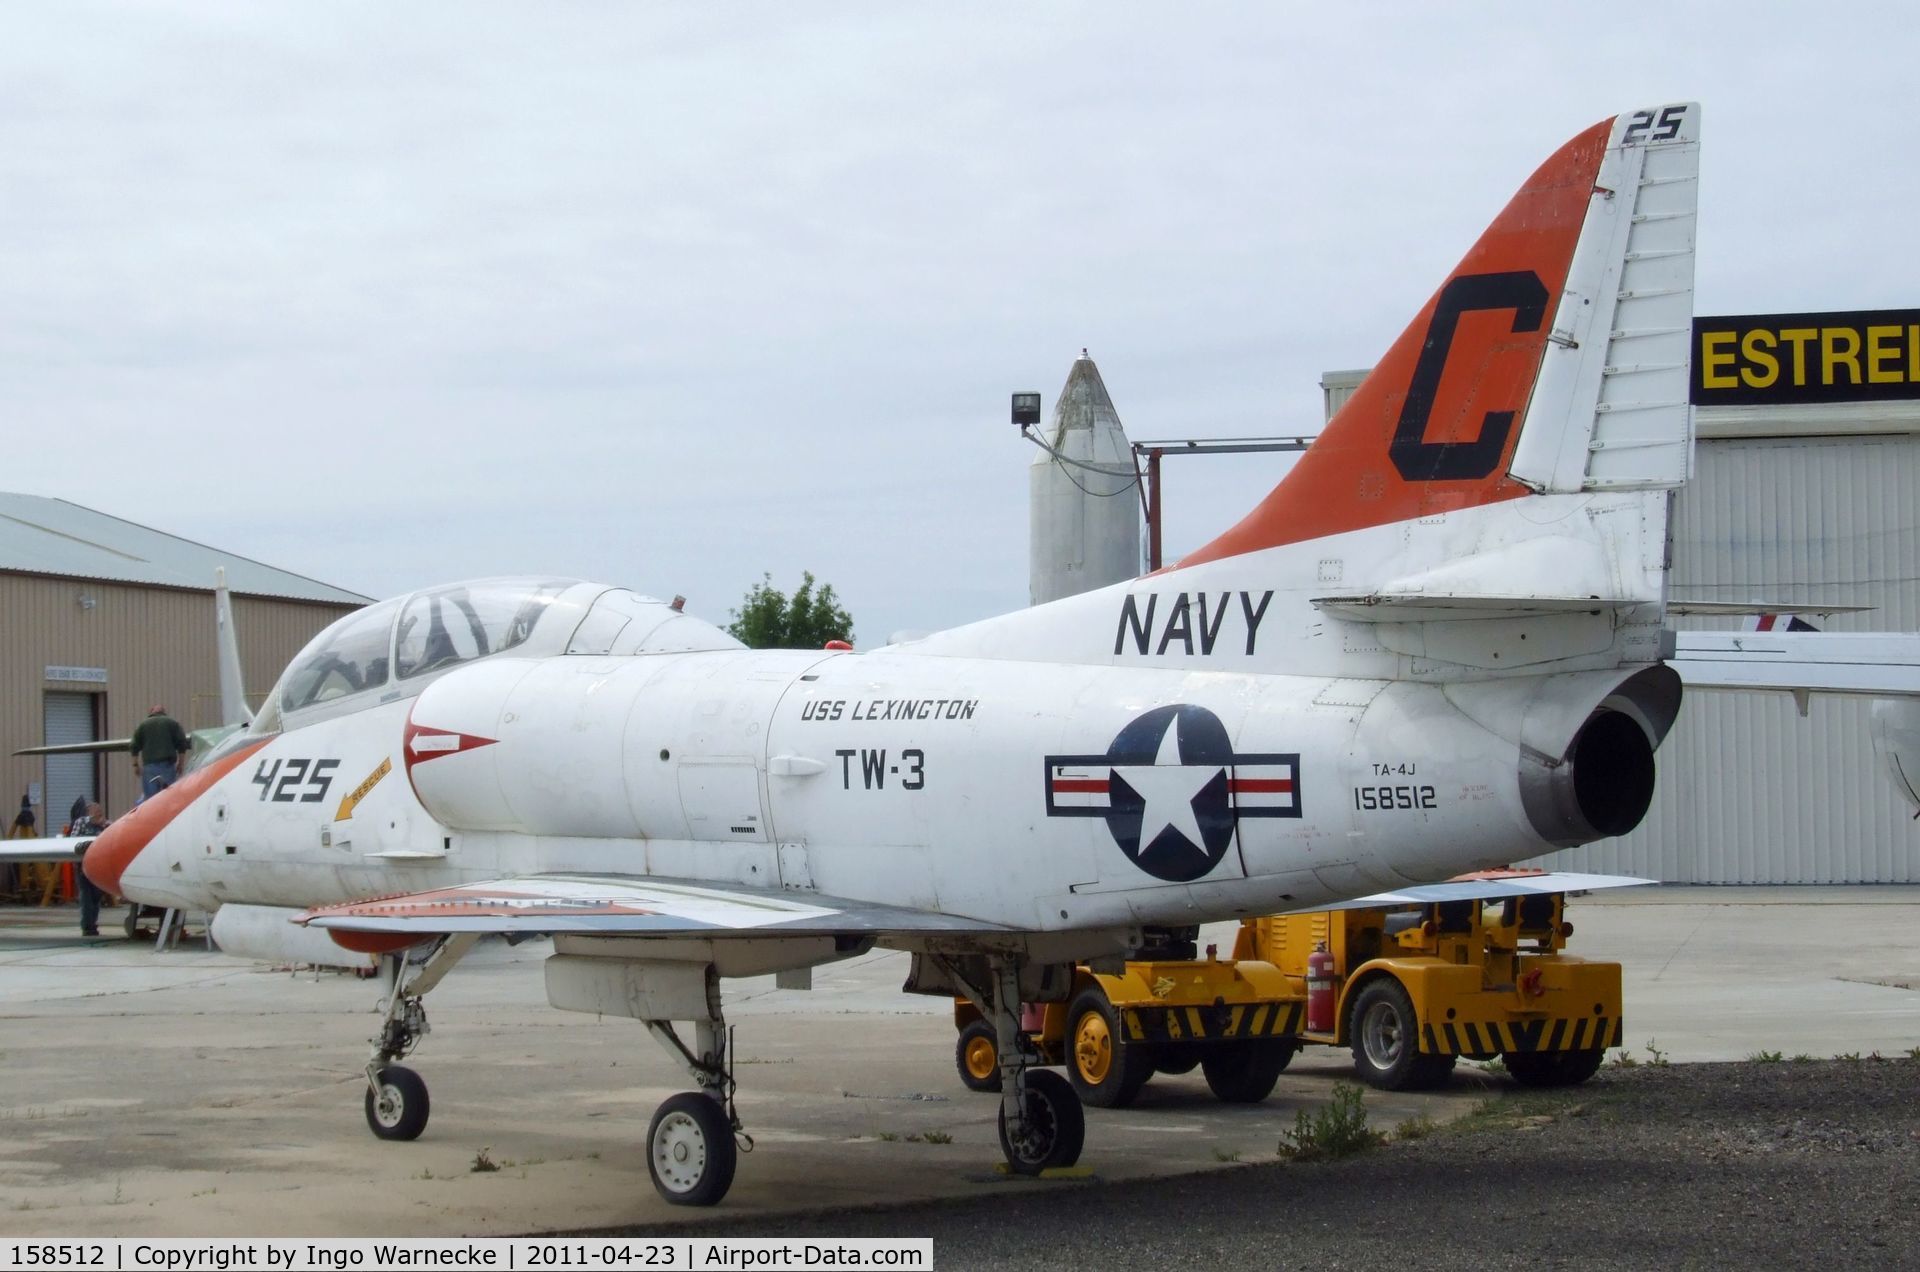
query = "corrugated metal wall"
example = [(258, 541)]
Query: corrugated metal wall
[(1749, 792), (156, 645)]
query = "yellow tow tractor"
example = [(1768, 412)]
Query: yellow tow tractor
[(1410, 986)]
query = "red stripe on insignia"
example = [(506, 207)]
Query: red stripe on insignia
[(1262, 786), (1079, 786)]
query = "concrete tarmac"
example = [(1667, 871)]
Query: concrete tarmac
[(191, 1094)]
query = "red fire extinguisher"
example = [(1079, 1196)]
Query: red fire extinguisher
[(1320, 990)]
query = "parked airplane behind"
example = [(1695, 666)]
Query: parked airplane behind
[(1435, 647)]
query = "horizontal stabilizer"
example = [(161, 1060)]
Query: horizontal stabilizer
[(1876, 664), (79, 748), (1489, 889), (55, 849), (624, 905)]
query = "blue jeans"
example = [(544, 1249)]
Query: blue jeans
[(156, 776)]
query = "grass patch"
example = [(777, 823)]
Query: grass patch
[(1339, 1130), (1225, 1155), (1415, 1128), (936, 1137), (483, 1162), (1764, 1057)]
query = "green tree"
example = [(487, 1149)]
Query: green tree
[(769, 619)]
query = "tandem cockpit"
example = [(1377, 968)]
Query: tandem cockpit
[(393, 650)]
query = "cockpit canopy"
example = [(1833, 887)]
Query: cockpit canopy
[(390, 650)]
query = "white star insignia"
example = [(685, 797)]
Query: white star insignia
[(1169, 788)]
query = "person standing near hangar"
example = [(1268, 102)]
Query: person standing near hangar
[(159, 745)]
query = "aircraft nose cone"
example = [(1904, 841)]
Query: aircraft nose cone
[(110, 855)]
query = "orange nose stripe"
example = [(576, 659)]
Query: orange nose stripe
[(121, 842)]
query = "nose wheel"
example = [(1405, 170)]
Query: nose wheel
[(397, 1103)]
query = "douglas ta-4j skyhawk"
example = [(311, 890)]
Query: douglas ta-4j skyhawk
[(1436, 646)]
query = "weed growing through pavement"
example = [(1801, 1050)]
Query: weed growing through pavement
[(1625, 1060), (1339, 1130), (1913, 1053), (1225, 1155), (1659, 1056), (1803, 1058), (1851, 1057), (1765, 1057), (888, 1137), (936, 1137), (483, 1162), (1414, 1128)]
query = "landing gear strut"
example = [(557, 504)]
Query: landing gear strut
[(1041, 1122), (396, 1101), (695, 1138)]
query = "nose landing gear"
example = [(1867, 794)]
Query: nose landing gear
[(396, 1102)]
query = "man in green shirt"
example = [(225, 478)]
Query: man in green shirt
[(159, 745)]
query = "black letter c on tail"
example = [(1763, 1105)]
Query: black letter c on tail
[(1421, 460)]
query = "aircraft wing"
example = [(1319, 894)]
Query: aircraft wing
[(624, 905), (1875, 664), (1486, 889), (56, 848)]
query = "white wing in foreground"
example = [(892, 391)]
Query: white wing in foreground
[(1876, 664), (624, 905), (1519, 885)]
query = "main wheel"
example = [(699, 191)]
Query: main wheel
[(690, 1150), (1055, 1130), (1177, 1060), (1244, 1072), (1554, 1068), (1386, 1041), (399, 1111), (1106, 1071), (977, 1056)]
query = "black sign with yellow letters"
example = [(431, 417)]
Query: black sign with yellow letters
[(1770, 359)]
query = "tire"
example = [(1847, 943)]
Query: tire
[(1105, 1070), (690, 1150), (1057, 1127), (1385, 1035), (1177, 1060), (400, 1111), (1554, 1068), (1244, 1072), (977, 1056)]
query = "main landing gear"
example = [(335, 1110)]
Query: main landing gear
[(695, 1139), (396, 1101), (1041, 1122)]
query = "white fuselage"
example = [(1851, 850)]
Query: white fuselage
[(1038, 796)]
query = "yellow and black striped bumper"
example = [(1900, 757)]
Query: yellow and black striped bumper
[(1206, 1024), (1484, 1037)]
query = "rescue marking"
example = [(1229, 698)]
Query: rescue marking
[(352, 800), (1172, 790)]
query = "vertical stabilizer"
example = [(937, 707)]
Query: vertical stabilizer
[(233, 694), (1552, 360)]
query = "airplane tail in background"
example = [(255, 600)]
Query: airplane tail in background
[(233, 693)]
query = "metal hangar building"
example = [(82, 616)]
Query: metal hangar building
[(101, 619)]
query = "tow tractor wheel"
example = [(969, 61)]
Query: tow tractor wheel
[(399, 1111), (1106, 1071), (1386, 1041), (690, 1150), (977, 1057), (1554, 1068), (1178, 1060), (1244, 1072), (1056, 1126)]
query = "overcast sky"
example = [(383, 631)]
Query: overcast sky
[(671, 295)]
